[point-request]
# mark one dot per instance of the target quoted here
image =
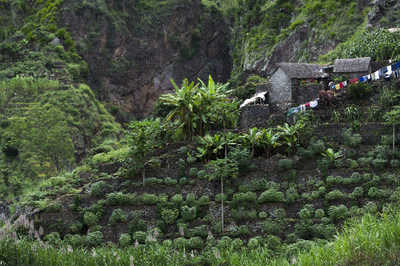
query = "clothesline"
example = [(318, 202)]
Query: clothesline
[(386, 72)]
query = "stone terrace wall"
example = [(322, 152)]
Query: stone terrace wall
[(370, 133), (261, 116)]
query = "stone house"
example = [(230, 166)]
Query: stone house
[(295, 83), (352, 67)]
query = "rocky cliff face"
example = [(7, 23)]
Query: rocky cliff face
[(134, 49)]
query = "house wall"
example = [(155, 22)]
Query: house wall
[(306, 92), (351, 75), (280, 87)]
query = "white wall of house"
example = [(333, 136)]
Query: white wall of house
[(281, 87)]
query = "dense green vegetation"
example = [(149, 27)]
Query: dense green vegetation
[(370, 239), (46, 129), (378, 44)]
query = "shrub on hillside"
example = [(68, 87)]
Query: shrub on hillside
[(203, 201), (119, 198), (180, 243), (170, 181), (379, 163), (285, 164), (247, 198), (365, 161), (243, 214), (188, 213), (90, 219), (335, 195), (271, 227), (377, 193), (359, 91), (350, 139), (271, 195), (307, 212), (253, 243), (195, 243), (125, 240), (317, 147), (291, 195), (357, 193), (319, 213), (395, 163), (139, 236), (98, 188), (118, 216), (94, 239), (149, 199), (75, 240), (337, 213), (169, 216), (190, 199)]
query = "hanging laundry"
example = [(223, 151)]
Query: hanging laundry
[(355, 80), (382, 71), (388, 73), (376, 75), (396, 73), (293, 110), (313, 104), (363, 79)]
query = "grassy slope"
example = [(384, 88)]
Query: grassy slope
[(370, 240), (50, 120)]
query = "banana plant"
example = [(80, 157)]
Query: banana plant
[(253, 139), (213, 146), (270, 141), (332, 156), (184, 103), (290, 135)]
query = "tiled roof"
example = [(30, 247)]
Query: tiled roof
[(352, 65), (302, 71)]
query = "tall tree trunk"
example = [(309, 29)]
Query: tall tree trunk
[(222, 204), (144, 174), (222, 191), (394, 137)]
